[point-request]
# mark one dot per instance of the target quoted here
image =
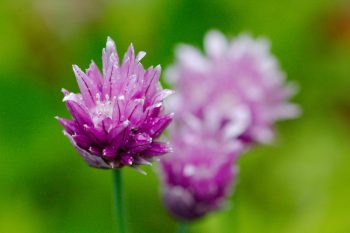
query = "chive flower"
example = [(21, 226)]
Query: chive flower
[(199, 175), (118, 117), (226, 100), (242, 72)]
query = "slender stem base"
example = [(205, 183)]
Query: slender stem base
[(118, 200), (182, 227)]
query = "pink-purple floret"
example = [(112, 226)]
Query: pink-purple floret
[(118, 117), (200, 173)]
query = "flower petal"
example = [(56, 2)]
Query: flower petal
[(87, 87), (78, 113)]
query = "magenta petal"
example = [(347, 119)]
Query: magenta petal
[(142, 161), (86, 86), (117, 112), (151, 77), (134, 111), (109, 153), (107, 125), (109, 79), (154, 110), (78, 113), (82, 141), (162, 95), (106, 54), (160, 124), (117, 132), (93, 160), (140, 142), (127, 159), (129, 56), (157, 149), (95, 75), (95, 150), (96, 135), (69, 126)]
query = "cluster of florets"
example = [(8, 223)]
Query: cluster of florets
[(225, 101), (118, 116)]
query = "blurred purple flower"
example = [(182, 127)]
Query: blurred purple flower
[(198, 176), (118, 117), (240, 73), (226, 100)]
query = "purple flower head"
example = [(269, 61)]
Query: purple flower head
[(226, 100), (118, 116), (243, 74), (198, 176)]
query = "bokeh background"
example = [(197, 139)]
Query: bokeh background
[(299, 184)]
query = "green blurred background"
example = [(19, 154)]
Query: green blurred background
[(299, 184)]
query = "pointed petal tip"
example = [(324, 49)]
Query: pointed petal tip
[(92, 63), (138, 169), (110, 45), (169, 92), (143, 161), (76, 69), (140, 55), (66, 94), (64, 91), (110, 41), (130, 53), (65, 133)]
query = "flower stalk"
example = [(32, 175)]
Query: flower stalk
[(118, 200), (182, 227)]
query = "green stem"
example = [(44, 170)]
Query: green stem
[(118, 199), (182, 227)]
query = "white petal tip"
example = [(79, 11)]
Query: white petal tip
[(138, 169), (140, 55)]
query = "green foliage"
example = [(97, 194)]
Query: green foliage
[(300, 184)]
